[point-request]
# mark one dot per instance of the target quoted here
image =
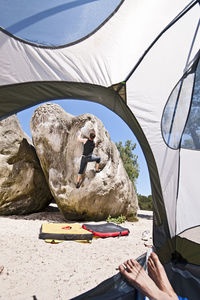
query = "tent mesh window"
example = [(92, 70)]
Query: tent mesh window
[(43, 24), (191, 135), (176, 112)]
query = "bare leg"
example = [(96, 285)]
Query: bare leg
[(157, 273), (79, 178), (137, 277), (97, 167)]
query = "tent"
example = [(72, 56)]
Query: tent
[(140, 59)]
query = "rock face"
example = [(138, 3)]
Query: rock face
[(23, 188), (109, 192)]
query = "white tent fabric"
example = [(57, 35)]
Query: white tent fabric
[(107, 48), (106, 58), (188, 204), (163, 67)]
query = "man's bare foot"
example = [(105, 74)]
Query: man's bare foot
[(137, 277), (157, 273)]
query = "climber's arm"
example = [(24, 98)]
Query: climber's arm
[(80, 139)]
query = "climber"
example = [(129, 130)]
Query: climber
[(88, 147)]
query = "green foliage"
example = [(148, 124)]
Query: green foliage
[(116, 220), (145, 203), (132, 217), (129, 160)]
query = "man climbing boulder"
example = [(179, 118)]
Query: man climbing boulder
[(110, 192), (88, 147)]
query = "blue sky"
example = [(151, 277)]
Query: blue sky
[(116, 127)]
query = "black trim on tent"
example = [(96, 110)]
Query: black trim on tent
[(180, 250), (121, 90), (189, 250), (65, 45), (20, 96)]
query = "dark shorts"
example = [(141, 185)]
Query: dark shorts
[(85, 160)]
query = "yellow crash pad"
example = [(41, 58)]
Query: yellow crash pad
[(64, 231)]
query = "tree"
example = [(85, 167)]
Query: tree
[(145, 203), (129, 160)]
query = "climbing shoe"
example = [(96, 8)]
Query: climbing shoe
[(78, 185)]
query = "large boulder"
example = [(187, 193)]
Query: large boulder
[(23, 188), (109, 192)]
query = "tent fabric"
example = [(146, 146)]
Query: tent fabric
[(188, 189), (42, 60), (182, 277), (106, 230), (96, 67), (113, 288), (167, 159), (64, 231), (192, 234), (85, 17)]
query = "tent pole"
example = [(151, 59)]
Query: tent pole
[(192, 45)]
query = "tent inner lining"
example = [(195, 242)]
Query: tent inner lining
[(192, 234)]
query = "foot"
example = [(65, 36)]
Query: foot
[(97, 171), (157, 273), (137, 277), (78, 185)]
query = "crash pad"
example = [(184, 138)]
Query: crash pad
[(63, 231), (106, 229)]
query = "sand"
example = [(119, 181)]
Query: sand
[(33, 269)]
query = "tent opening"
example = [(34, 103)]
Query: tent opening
[(119, 132)]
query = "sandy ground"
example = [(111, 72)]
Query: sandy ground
[(34, 269)]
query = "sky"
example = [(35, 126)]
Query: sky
[(117, 128)]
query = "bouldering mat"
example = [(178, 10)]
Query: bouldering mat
[(106, 230), (63, 231)]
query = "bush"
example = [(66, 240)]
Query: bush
[(129, 160), (117, 220), (145, 203)]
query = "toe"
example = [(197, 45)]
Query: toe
[(154, 256)]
